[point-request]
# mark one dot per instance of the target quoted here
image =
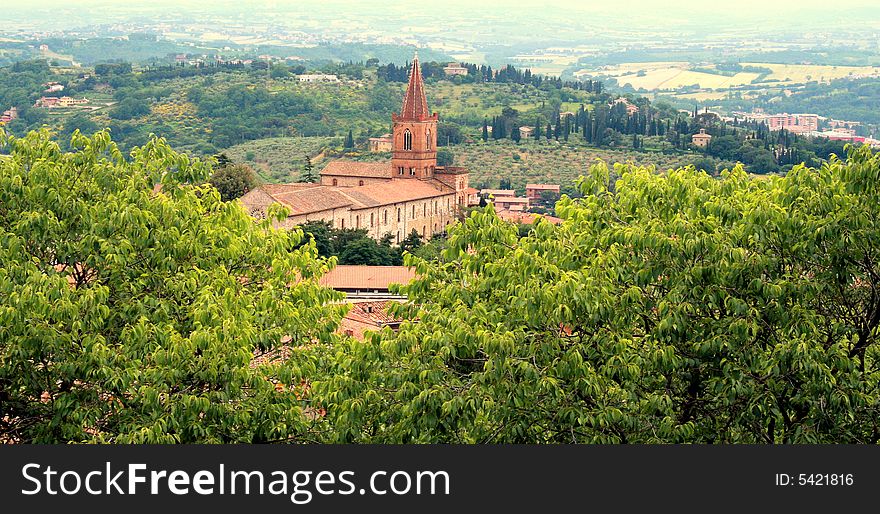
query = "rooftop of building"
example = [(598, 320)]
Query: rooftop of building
[(549, 187), (526, 218), (367, 277), (311, 198), (498, 192), (357, 169)]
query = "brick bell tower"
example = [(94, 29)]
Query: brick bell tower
[(414, 149)]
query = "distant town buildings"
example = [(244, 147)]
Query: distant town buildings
[(487, 193), (701, 139), (380, 144), (840, 134), (53, 87), (46, 101), (51, 102), (317, 77), (794, 123), (9, 115), (67, 101), (536, 192), (526, 132), (630, 107), (511, 203), (473, 196), (526, 218), (454, 68)]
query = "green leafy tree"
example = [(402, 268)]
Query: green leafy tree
[(234, 180), (308, 172), (411, 242), (364, 251), (445, 157), (131, 313), (672, 308)]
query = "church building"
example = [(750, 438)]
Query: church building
[(409, 193)]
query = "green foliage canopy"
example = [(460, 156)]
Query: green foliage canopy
[(674, 308), (133, 314)]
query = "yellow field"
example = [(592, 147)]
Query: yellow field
[(799, 73), (669, 76), (675, 78), (702, 96)]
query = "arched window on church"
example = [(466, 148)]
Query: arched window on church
[(357, 222), (360, 182), (371, 219), (385, 217), (407, 140), (398, 214), (335, 181), (428, 144)]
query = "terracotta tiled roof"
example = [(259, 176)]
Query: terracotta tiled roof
[(526, 218), (471, 191), (367, 277), (312, 199), (498, 192), (511, 199), (547, 187), (358, 169), (374, 313), (415, 105), (395, 191), (274, 189)]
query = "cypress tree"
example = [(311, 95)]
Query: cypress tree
[(485, 131)]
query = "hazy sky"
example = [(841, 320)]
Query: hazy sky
[(613, 13)]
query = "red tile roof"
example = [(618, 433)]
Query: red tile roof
[(525, 218), (367, 277), (395, 191), (357, 169), (312, 199), (548, 187), (510, 199), (374, 313)]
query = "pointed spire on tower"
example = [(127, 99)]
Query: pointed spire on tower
[(415, 105)]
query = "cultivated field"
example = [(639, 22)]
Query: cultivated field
[(548, 161), (799, 73), (281, 159), (671, 76)]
